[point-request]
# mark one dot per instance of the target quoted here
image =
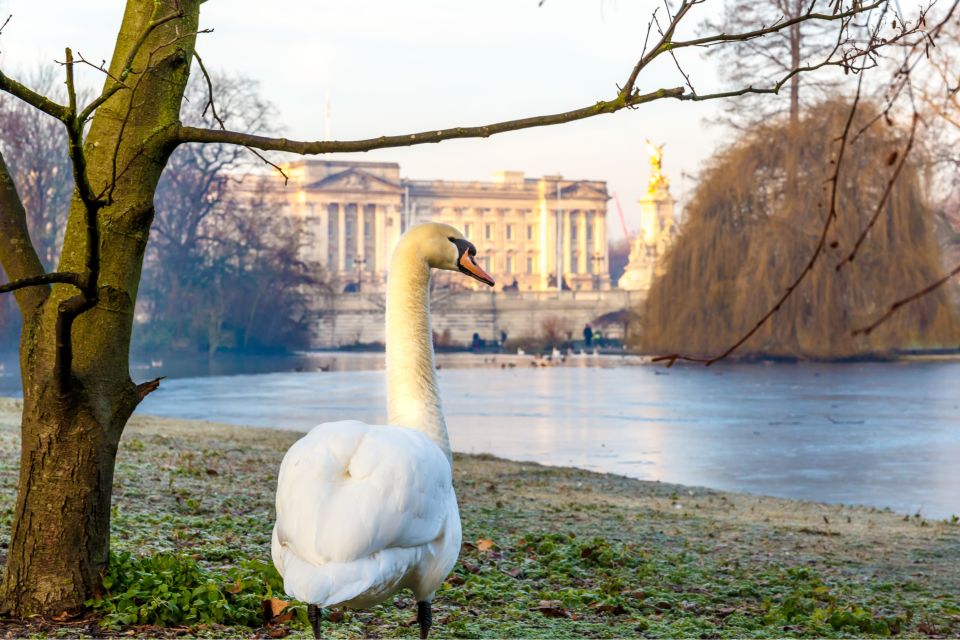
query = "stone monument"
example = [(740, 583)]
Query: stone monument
[(658, 228)]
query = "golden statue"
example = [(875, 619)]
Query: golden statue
[(657, 181)]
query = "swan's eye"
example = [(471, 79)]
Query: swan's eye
[(472, 250)]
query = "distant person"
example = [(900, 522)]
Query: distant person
[(503, 337), (476, 342), (587, 335), (598, 338)]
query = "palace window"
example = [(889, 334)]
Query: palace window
[(509, 232), (509, 268), (468, 230), (529, 264), (488, 232), (589, 230), (529, 232)]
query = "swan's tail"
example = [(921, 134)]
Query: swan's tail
[(359, 583)]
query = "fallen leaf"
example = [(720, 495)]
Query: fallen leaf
[(553, 609), (484, 544), (455, 580), (469, 566), (278, 632), (513, 573), (336, 615), (273, 610)]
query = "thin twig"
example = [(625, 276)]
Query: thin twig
[(213, 112), (883, 199), (865, 331)]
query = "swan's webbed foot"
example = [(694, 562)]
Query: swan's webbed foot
[(424, 618), (314, 615)]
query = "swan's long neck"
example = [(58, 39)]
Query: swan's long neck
[(413, 399)]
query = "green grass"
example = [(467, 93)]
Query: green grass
[(547, 553)]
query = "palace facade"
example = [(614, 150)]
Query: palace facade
[(525, 229)]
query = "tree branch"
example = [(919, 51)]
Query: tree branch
[(886, 195), (264, 143), (17, 254), (48, 278), (626, 97), (865, 331), (32, 98)]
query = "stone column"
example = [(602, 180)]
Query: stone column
[(322, 236), (378, 233), (341, 236), (582, 241), (360, 238), (567, 267)]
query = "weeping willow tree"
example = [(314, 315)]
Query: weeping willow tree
[(750, 231)]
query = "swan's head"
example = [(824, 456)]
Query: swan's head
[(445, 247)]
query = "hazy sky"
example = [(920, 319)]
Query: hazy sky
[(395, 67)]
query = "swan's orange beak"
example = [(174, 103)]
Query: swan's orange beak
[(467, 263), (470, 267)]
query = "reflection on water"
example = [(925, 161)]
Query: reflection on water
[(887, 435)]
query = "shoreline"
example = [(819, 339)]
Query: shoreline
[(548, 551)]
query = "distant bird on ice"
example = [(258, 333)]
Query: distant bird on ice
[(366, 510)]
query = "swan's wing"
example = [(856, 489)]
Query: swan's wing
[(347, 490)]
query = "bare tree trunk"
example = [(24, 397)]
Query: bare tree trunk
[(71, 426)]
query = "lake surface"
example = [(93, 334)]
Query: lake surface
[(881, 434)]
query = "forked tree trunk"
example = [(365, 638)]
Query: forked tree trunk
[(61, 526)]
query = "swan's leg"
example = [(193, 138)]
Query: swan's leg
[(314, 616), (424, 618)]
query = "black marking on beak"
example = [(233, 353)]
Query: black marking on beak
[(466, 262)]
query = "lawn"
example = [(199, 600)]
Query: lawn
[(548, 552)]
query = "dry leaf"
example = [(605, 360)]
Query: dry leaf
[(484, 544), (273, 610), (553, 609)]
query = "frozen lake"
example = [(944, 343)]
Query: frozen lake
[(880, 434), (886, 435)]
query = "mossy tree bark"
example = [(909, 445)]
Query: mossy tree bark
[(71, 426)]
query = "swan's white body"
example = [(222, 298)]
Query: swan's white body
[(364, 510)]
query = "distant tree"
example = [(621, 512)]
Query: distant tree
[(220, 248), (752, 237), (802, 43), (36, 152)]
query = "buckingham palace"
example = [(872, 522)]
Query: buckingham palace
[(354, 212)]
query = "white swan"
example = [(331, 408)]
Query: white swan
[(366, 510)]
